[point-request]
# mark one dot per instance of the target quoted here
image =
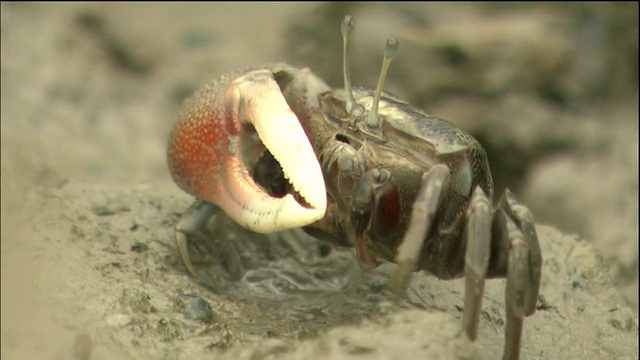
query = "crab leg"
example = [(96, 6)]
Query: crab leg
[(424, 209), (524, 268), (476, 258), (523, 218), (515, 294), (190, 222)]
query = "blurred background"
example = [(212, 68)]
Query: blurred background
[(90, 91)]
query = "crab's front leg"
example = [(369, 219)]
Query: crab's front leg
[(239, 147), (434, 185), (191, 221)]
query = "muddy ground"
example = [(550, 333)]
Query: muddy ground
[(89, 266)]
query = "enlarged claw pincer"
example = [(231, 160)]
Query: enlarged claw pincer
[(223, 132)]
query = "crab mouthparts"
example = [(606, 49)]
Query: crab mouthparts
[(284, 188)]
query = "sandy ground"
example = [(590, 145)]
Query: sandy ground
[(89, 267)]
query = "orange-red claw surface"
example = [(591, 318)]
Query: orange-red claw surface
[(223, 130)]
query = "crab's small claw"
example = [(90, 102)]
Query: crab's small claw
[(190, 222), (216, 146)]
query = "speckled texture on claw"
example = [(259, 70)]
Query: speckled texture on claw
[(221, 133)]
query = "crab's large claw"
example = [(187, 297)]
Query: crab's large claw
[(222, 151)]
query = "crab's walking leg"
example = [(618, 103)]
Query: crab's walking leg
[(523, 218), (190, 222), (515, 293), (478, 235), (524, 268), (424, 209)]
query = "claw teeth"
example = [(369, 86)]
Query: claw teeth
[(280, 131), (294, 153)]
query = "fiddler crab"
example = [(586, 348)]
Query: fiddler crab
[(276, 148)]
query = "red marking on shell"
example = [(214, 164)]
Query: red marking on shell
[(388, 212)]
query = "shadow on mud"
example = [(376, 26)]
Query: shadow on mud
[(286, 276)]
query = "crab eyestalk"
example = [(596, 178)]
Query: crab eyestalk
[(347, 27), (390, 51)]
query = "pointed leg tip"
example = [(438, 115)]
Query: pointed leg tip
[(181, 243), (472, 332)]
